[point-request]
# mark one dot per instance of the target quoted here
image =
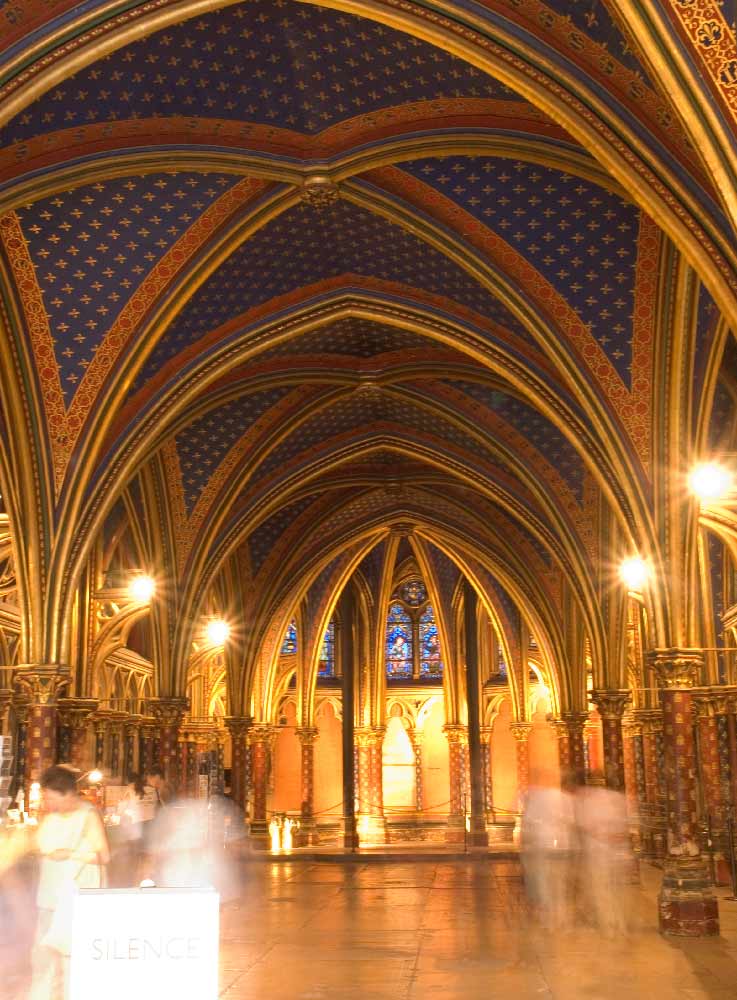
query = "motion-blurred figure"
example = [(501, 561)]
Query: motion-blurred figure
[(74, 852), (602, 822), (131, 811), (548, 840)]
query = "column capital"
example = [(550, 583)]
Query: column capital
[(237, 725), (676, 668), (75, 712), (712, 701), (485, 733), (42, 684), (368, 736), (307, 734), (455, 733), (649, 719), (168, 711), (261, 732), (611, 703), (520, 731)]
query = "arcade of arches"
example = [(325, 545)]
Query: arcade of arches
[(349, 352)]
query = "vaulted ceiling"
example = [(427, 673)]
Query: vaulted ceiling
[(326, 270)]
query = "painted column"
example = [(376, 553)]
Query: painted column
[(488, 773), (101, 738), (576, 773), (131, 741), (168, 714), (708, 705), (457, 741), (564, 751), (42, 688), (631, 732), (651, 813), (521, 733), (6, 700), (371, 820), (260, 737), (611, 706), (146, 749), (20, 711), (117, 724), (75, 714), (308, 827), (238, 727), (416, 736), (686, 905)]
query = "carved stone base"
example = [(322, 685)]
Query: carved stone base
[(260, 837), (455, 832), (686, 906), (307, 835), (477, 835)]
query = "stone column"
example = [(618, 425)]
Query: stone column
[(260, 738), (687, 907), (575, 773), (363, 739), (307, 836), (75, 714), (371, 819), (488, 773), (708, 705), (457, 742), (238, 727), (101, 723), (42, 688), (521, 733), (349, 668), (131, 741), (652, 818), (168, 714), (20, 711), (611, 706), (117, 726)]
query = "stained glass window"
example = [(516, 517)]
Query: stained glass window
[(289, 646), (326, 666), (431, 664), (398, 642), (413, 593)]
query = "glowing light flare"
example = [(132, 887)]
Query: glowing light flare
[(95, 777), (142, 589), (711, 481), (634, 573), (218, 632)]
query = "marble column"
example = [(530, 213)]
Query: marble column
[(687, 907), (260, 739), (708, 705), (521, 733), (42, 688), (75, 714), (168, 714), (457, 741), (307, 835), (238, 727)]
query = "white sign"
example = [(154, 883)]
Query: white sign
[(136, 944)]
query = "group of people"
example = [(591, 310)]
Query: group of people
[(576, 856), (151, 838)]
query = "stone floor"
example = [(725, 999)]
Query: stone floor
[(450, 929), (447, 928)]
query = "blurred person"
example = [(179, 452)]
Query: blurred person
[(163, 793), (602, 823), (73, 849), (547, 846), (132, 812)]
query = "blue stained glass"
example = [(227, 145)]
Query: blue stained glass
[(398, 642), (289, 646), (431, 664), (326, 666)]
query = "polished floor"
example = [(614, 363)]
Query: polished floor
[(448, 929), (445, 928)]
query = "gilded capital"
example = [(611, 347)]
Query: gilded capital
[(237, 726), (307, 735), (168, 711), (677, 668), (75, 712), (456, 734), (42, 685), (611, 704), (520, 731)]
